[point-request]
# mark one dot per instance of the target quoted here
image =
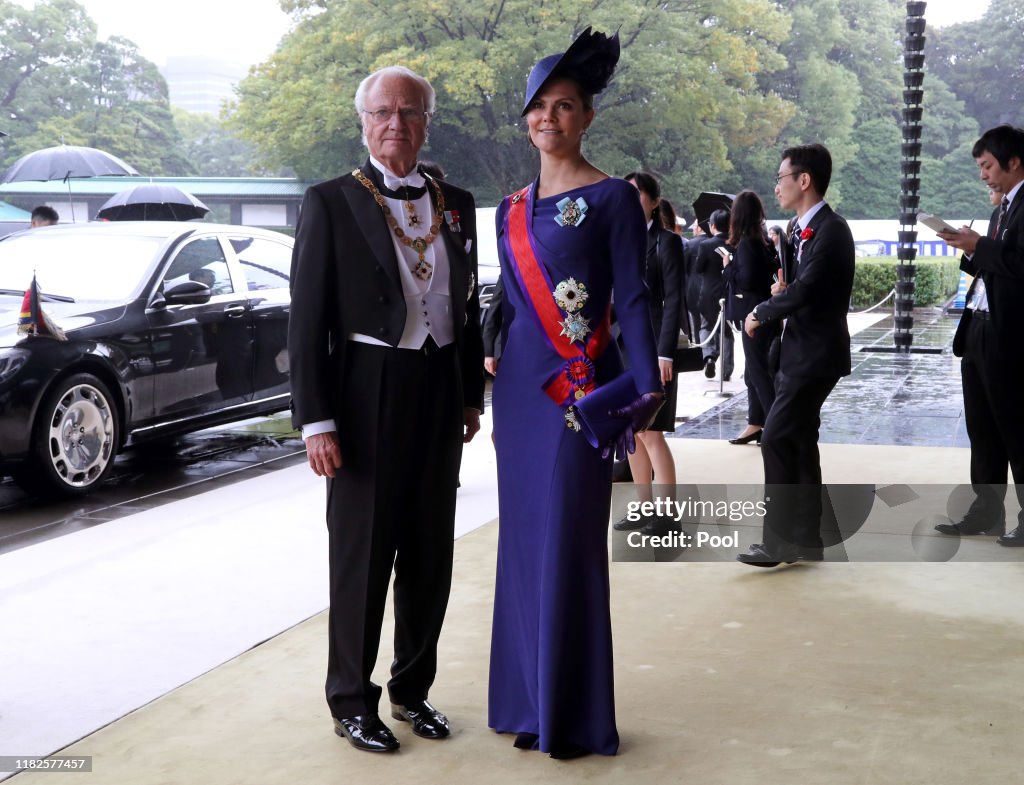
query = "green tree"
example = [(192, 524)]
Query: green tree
[(843, 71), (210, 150), (60, 84), (685, 93), (871, 181), (983, 62)]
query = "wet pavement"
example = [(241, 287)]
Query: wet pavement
[(151, 475), (897, 399)]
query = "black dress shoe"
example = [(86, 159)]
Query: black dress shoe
[(965, 529), (366, 732), (759, 555), (709, 368), (750, 437), (626, 525), (427, 722), (1013, 539)]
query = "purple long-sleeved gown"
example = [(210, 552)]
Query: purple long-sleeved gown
[(551, 648)]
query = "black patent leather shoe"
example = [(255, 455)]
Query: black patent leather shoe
[(366, 732), (1013, 539), (967, 529), (427, 722), (759, 555), (750, 437), (709, 368)]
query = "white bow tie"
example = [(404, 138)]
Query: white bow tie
[(413, 180)]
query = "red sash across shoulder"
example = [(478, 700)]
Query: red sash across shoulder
[(576, 378)]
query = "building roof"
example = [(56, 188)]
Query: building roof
[(201, 187), (8, 212)]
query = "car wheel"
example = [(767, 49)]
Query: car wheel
[(75, 437)]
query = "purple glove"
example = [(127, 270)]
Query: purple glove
[(640, 414)]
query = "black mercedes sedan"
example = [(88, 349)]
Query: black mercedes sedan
[(170, 327)]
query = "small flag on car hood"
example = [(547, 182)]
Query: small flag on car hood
[(33, 320)]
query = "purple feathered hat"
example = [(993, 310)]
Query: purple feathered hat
[(589, 61)]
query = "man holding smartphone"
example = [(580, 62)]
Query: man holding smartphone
[(988, 340)]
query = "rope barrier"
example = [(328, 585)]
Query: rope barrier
[(877, 305)]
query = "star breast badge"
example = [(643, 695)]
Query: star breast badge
[(575, 327)]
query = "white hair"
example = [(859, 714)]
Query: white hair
[(426, 90)]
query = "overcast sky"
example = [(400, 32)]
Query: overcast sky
[(247, 31)]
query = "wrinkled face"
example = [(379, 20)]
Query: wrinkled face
[(646, 202), (395, 122), (557, 118), (788, 190), (997, 178)]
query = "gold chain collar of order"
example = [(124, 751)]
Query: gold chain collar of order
[(423, 269)]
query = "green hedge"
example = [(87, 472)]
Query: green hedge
[(874, 277)]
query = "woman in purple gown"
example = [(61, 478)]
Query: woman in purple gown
[(565, 242)]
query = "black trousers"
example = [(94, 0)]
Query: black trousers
[(994, 415), (392, 505), (757, 373), (792, 465)]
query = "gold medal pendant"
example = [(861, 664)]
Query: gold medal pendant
[(410, 213)]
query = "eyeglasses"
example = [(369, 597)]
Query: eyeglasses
[(787, 174), (406, 115)]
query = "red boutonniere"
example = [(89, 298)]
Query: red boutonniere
[(807, 234)]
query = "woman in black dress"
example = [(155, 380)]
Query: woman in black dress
[(748, 273), (663, 275)]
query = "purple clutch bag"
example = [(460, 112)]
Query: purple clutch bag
[(593, 411)]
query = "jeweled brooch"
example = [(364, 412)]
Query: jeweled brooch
[(571, 211), (570, 295), (575, 327)]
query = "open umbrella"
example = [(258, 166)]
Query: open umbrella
[(707, 202), (64, 162), (152, 202)]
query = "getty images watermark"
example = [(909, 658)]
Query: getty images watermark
[(674, 511), (867, 523)]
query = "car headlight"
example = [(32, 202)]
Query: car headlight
[(11, 361)]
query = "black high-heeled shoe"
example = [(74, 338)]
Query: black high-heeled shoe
[(525, 741), (750, 437)]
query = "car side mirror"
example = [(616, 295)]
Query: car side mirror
[(188, 293)]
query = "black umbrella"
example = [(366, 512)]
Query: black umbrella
[(152, 202), (66, 161), (707, 202)]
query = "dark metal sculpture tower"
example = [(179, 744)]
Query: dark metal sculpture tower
[(910, 175)]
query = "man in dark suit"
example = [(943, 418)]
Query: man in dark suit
[(692, 282), (387, 384), (708, 267), (815, 354), (988, 340)]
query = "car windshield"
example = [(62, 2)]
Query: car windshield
[(80, 266)]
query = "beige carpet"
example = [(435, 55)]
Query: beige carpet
[(825, 673)]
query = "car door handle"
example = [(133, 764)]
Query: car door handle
[(234, 311)]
